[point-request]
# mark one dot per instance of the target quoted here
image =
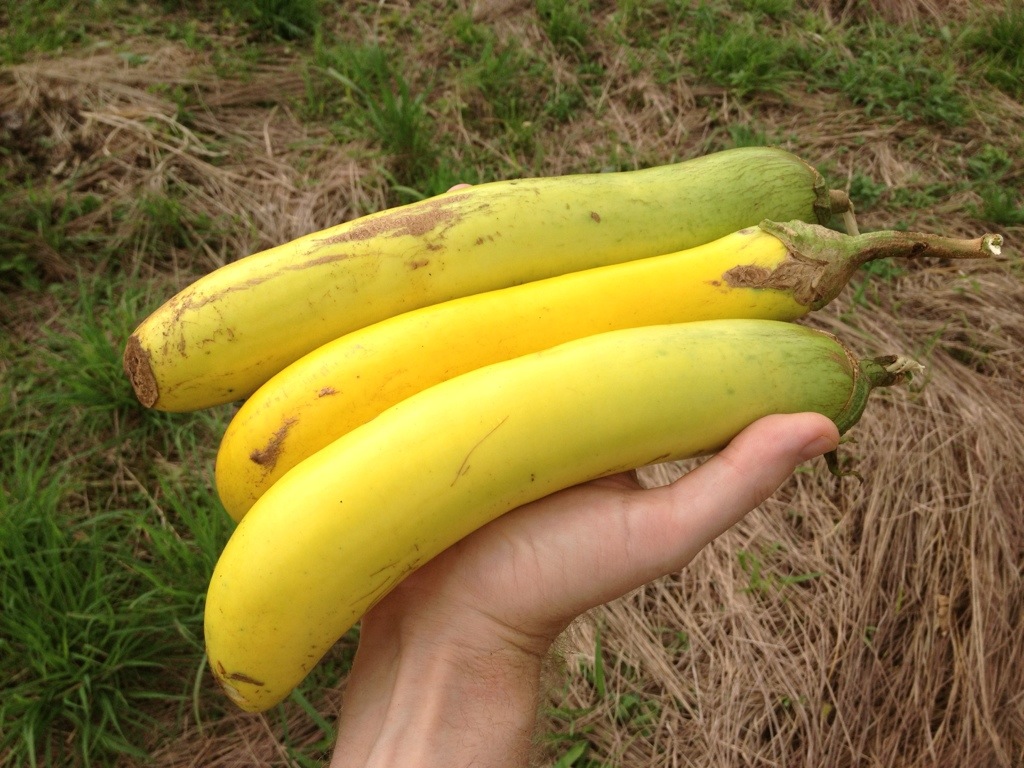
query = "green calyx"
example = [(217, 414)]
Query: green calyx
[(829, 202), (870, 373)]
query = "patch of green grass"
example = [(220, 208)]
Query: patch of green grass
[(776, 9), (633, 712), (109, 529), (1001, 205), (870, 277), (42, 227), (569, 739), (65, 669), (285, 19), (161, 223), (762, 578), (505, 93), (893, 72), (633, 24), (990, 163), (82, 352), (751, 135), (99, 623), (996, 41), (739, 53), (918, 196), (504, 85), (366, 89), (265, 20), (864, 191), (53, 232), (40, 26), (1001, 202), (568, 24), (509, 94)]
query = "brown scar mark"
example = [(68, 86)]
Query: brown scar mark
[(797, 275), (267, 456), (242, 678), (415, 220), (658, 459), (374, 594), (189, 302), (631, 467), (464, 466), (139, 369), (382, 589), (418, 263), (383, 568), (595, 216), (326, 391)]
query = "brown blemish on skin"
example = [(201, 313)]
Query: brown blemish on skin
[(797, 276), (243, 678), (418, 263), (327, 391), (390, 581), (137, 366), (179, 306), (414, 221), (464, 466), (595, 216), (267, 456)]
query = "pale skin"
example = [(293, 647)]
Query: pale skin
[(448, 669)]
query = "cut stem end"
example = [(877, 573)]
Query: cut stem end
[(140, 372)]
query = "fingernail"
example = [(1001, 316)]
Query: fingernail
[(819, 445)]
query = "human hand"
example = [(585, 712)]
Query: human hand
[(448, 666)]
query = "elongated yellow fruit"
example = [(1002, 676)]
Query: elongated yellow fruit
[(343, 527), (231, 330), (773, 271)]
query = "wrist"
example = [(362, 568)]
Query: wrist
[(425, 702)]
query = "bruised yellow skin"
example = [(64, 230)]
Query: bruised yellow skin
[(223, 336), (350, 380), (336, 533)]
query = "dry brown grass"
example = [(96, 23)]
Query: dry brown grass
[(906, 648)]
